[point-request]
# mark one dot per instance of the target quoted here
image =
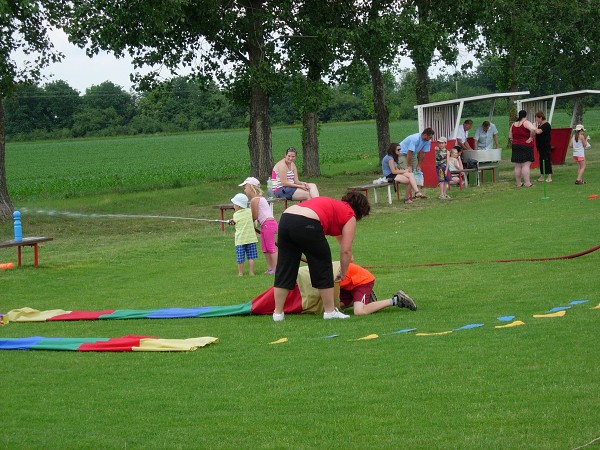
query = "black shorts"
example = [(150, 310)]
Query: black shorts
[(299, 235)]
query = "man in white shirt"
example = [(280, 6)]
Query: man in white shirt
[(463, 134), (484, 135)]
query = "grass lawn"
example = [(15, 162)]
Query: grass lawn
[(531, 386)]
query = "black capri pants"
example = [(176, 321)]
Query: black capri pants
[(298, 235)]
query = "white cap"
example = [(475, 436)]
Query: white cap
[(241, 200), (250, 180), (579, 128), (442, 139)]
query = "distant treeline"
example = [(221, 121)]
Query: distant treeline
[(57, 111)]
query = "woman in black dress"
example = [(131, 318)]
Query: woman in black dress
[(542, 142)]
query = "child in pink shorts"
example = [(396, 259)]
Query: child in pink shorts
[(579, 144), (261, 211)]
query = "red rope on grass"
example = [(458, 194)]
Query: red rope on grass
[(574, 255)]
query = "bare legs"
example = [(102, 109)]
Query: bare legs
[(580, 170), (302, 194), (523, 171), (250, 268), (408, 179), (271, 259)]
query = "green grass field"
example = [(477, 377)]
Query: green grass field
[(532, 386)]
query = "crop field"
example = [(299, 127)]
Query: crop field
[(455, 381)]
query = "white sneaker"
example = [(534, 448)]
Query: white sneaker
[(335, 314), (278, 317)]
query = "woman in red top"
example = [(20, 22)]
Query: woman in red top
[(521, 135), (302, 229)]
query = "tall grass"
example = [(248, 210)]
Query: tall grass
[(533, 386)]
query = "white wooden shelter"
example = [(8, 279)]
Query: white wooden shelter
[(533, 105), (445, 117)]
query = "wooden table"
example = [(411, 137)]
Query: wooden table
[(26, 242)]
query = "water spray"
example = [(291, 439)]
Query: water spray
[(116, 216)]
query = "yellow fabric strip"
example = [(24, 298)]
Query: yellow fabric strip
[(366, 338), (174, 345), (434, 334), (556, 314), (516, 323), (33, 315), (597, 307), (279, 341)]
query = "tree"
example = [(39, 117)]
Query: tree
[(423, 33), (374, 37), (313, 48), (23, 26), (228, 40)]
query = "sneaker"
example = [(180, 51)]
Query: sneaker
[(335, 314), (270, 272), (278, 317), (404, 301)]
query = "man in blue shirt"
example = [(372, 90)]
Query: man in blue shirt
[(418, 144)]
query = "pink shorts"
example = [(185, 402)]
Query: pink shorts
[(578, 158), (267, 236)]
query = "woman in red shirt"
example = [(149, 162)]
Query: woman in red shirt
[(302, 230), (521, 135)]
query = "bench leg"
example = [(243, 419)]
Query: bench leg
[(35, 255), (375, 194), (389, 194), (19, 256)]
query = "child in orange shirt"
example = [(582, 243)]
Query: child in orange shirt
[(356, 290)]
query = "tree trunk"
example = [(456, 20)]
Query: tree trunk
[(259, 139), (422, 83), (382, 115), (310, 145), (578, 111), (6, 206), (310, 129)]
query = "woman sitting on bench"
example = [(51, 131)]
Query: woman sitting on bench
[(389, 166), (285, 180)]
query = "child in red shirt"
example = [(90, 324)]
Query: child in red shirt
[(356, 290)]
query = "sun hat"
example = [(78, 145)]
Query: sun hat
[(442, 139), (579, 128), (251, 181), (241, 200)]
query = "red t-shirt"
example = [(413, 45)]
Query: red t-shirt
[(333, 214)]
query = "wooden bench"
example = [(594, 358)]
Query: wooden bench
[(225, 206), (26, 242), (365, 189), (478, 171)]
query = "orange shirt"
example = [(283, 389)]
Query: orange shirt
[(356, 276)]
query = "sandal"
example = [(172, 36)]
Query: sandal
[(528, 185), (420, 195), (407, 201), (580, 182)]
